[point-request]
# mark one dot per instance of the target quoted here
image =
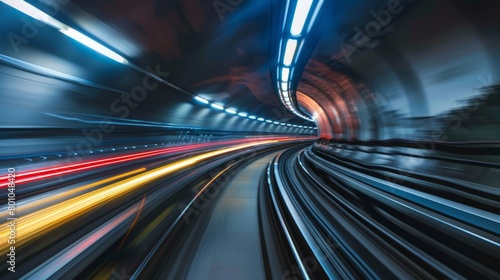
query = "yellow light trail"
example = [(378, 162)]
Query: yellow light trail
[(47, 219), (60, 196)]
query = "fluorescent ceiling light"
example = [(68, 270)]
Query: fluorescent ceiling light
[(260, 119), (242, 114), (284, 86), (217, 106), (77, 36), (299, 17), (291, 46), (294, 125), (231, 111), (201, 99), (37, 14), (269, 121), (34, 12), (252, 117), (276, 122), (285, 72)]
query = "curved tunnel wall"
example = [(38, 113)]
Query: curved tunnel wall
[(76, 87), (404, 81)]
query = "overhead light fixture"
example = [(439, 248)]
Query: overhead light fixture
[(32, 11), (217, 106), (252, 117), (276, 122), (202, 100), (291, 46), (77, 36), (231, 111), (243, 114), (261, 119), (39, 15), (299, 17), (285, 72), (269, 121), (284, 86)]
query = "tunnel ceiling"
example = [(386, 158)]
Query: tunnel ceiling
[(379, 69), (216, 49), (220, 49)]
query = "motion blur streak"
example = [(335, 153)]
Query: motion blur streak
[(133, 223), (249, 140), (58, 261), (177, 221), (46, 199), (30, 176), (149, 228), (49, 218)]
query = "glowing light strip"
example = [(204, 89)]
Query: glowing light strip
[(202, 100), (285, 73), (33, 12), (217, 106), (302, 11), (79, 37), (37, 14), (231, 111), (291, 46), (299, 17)]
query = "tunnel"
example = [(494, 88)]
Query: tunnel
[(237, 139)]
